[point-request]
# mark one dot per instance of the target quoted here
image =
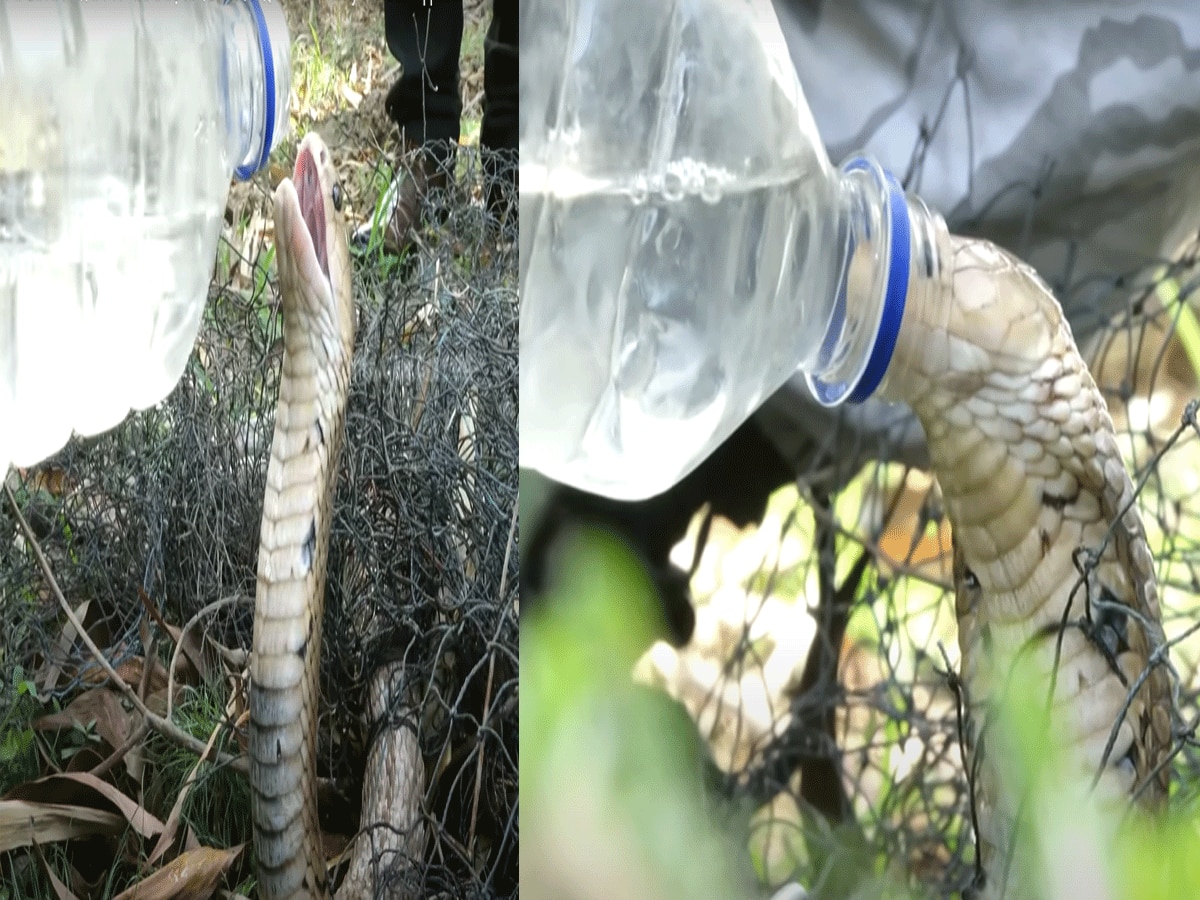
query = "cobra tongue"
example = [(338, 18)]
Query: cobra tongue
[(312, 204)]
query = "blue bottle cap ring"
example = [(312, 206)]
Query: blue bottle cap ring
[(895, 298), (264, 42)]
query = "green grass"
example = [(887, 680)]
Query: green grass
[(321, 66), (18, 741), (24, 878), (218, 803)]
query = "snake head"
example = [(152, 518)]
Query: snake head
[(311, 243)]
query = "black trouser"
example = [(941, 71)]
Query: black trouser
[(425, 36), (501, 69)]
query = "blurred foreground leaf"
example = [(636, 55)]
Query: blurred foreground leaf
[(613, 803), (1071, 842)]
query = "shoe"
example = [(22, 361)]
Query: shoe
[(401, 208)]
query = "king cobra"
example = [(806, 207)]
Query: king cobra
[(1050, 559), (318, 335)]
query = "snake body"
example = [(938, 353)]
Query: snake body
[(1026, 456), (318, 334)]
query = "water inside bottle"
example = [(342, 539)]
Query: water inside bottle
[(110, 205), (640, 299), (98, 304), (97, 323)]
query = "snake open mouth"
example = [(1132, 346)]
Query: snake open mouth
[(312, 204)]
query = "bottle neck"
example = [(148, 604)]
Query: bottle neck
[(888, 240), (257, 75)]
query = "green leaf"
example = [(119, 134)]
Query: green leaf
[(612, 773)]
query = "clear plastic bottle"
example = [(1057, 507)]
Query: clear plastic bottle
[(122, 124), (685, 243)]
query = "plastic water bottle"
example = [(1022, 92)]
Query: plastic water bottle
[(685, 243), (121, 124)]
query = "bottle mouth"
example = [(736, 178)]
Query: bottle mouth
[(268, 25), (896, 240)]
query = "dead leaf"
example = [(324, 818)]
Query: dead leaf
[(51, 479), (22, 823), (70, 789), (190, 876), (130, 672), (135, 760), (156, 701), (101, 705), (192, 651)]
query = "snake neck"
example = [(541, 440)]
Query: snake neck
[(1019, 435), (1052, 571)]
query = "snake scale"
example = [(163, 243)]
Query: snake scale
[(318, 334), (1026, 455)]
